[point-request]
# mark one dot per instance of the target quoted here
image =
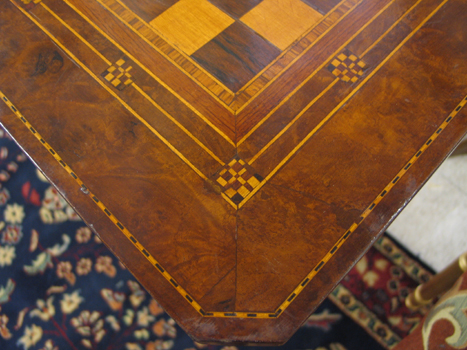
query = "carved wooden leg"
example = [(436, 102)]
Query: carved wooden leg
[(439, 284)]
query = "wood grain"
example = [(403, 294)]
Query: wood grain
[(148, 9), (236, 8), (316, 57), (236, 55), (158, 67), (239, 243), (286, 29), (189, 24), (322, 6)]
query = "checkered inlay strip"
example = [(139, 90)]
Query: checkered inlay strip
[(117, 74), (237, 180), (347, 66)]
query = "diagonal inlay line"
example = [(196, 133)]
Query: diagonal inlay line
[(301, 54), (331, 252), (136, 24), (318, 267), (131, 110), (307, 107), (107, 5), (150, 73), (204, 177), (76, 34), (175, 48), (297, 117), (294, 91), (344, 101), (155, 104), (101, 205), (322, 35)]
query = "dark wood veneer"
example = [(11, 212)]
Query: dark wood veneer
[(238, 208)]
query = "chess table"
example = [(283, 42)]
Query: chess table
[(238, 156)]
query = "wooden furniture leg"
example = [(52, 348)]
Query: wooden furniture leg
[(439, 284)]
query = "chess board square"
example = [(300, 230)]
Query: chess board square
[(246, 175), (236, 8), (221, 181), (148, 9), (236, 55), (342, 57), (236, 185), (237, 167), (243, 191), (230, 192), (190, 24), (291, 18), (227, 176), (253, 181), (233, 180), (322, 6)]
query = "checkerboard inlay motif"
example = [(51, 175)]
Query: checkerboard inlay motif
[(117, 74), (237, 180), (347, 66)]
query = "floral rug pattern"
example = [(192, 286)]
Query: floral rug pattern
[(61, 288)]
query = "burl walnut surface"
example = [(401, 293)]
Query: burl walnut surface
[(238, 156)]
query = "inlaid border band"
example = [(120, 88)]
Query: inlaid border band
[(326, 258), (232, 101), (206, 149), (304, 282)]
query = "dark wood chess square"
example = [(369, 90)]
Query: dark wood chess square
[(239, 157)]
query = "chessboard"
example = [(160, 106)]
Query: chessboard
[(237, 156)]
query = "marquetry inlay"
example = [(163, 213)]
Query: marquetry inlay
[(239, 150), (291, 19), (118, 74), (228, 48), (237, 179), (190, 24), (347, 66), (27, 2)]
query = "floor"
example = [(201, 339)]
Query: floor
[(434, 224)]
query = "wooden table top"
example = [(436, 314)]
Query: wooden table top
[(238, 156)]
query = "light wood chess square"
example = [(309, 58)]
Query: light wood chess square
[(281, 21), (190, 24)]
